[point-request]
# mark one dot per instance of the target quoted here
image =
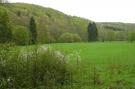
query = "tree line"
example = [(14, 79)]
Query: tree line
[(7, 35), (31, 34), (109, 34), (21, 35)]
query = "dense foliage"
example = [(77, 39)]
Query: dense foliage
[(69, 38), (48, 26), (51, 24), (35, 68), (5, 27), (131, 36), (20, 35), (115, 31)]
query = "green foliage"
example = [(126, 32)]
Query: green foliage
[(5, 28), (33, 30), (110, 35), (44, 36), (131, 36), (69, 38), (54, 22), (121, 35), (20, 35), (32, 68), (114, 31), (66, 37), (76, 38), (92, 32)]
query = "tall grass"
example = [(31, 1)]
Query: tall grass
[(32, 69)]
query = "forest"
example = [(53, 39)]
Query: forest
[(56, 27)]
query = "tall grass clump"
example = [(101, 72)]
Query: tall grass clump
[(32, 69)]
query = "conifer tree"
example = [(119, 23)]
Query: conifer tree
[(92, 32), (33, 30)]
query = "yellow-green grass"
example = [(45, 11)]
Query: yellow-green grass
[(99, 52), (110, 64)]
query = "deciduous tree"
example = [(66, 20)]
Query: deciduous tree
[(5, 28), (20, 35)]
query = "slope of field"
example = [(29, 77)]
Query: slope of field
[(108, 65)]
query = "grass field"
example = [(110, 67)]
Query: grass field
[(109, 65), (95, 65), (100, 53)]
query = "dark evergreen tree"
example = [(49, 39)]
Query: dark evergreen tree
[(92, 32), (33, 30), (5, 28)]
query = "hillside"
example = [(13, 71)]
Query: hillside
[(51, 24), (116, 26), (48, 20), (115, 31)]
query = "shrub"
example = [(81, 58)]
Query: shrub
[(20, 35), (44, 37), (31, 69), (76, 38), (69, 38)]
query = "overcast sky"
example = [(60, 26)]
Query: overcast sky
[(96, 10)]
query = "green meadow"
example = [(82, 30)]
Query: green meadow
[(100, 53), (108, 65)]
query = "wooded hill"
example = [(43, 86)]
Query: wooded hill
[(115, 31), (52, 24)]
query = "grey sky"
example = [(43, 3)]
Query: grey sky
[(96, 10)]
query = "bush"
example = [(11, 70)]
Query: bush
[(20, 35), (69, 38), (31, 69), (76, 38), (44, 37)]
